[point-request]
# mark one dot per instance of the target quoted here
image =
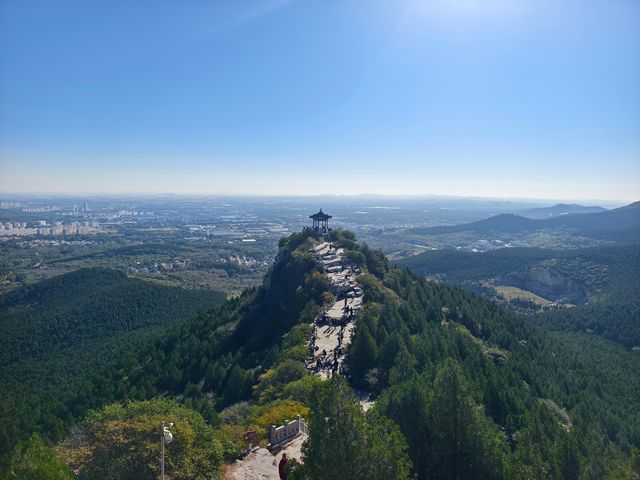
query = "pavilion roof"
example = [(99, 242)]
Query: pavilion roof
[(320, 216)]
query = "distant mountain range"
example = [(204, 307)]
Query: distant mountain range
[(559, 209), (619, 225)]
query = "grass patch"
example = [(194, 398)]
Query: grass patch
[(510, 293)]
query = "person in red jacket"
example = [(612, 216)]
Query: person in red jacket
[(283, 467)]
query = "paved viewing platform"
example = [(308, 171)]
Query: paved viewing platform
[(333, 328), (261, 464)]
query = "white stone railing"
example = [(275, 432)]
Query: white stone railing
[(288, 430)]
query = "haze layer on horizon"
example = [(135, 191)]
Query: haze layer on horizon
[(493, 98)]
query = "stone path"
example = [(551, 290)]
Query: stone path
[(333, 328), (261, 464)]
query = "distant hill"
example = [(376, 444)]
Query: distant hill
[(559, 209), (87, 305), (619, 225)]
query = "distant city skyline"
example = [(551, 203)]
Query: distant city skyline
[(500, 99)]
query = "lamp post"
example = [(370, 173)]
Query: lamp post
[(165, 436)]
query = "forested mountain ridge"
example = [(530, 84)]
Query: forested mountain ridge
[(527, 403), (62, 329), (602, 281), (619, 225), (89, 304), (500, 353), (210, 345)]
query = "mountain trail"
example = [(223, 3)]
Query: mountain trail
[(333, 328)]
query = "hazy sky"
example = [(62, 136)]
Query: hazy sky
[(519, 98)]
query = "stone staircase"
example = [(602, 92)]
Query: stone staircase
[(333, 328)]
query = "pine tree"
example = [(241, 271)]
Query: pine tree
[(403, 367), (235, 386), (465, 446), (363, 355), (344, 443), (34, 460)]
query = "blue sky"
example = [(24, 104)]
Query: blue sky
[(499, 98)]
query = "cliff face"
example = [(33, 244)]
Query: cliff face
[(549, 285)]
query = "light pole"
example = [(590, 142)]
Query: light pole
[(165, 436)]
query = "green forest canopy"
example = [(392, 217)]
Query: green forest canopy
[(539, 404)]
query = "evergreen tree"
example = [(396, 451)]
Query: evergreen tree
[(32, 459), (464, 445), (403, 367), (344, 443), (235, 386), (363, 355), (408, 406)]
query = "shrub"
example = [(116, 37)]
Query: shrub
[(32, 459), (301, 390), (236, 414), (272, 381), (275, 413), (122, 441)]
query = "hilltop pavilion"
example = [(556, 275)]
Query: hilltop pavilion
[(320, 221)]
